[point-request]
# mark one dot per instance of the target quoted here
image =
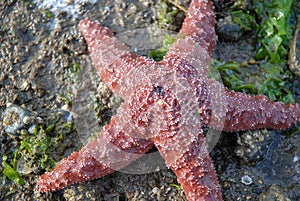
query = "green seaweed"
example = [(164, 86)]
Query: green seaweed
[(11, 173), (36, 147), (74, 72), (166, 14), (48, 14), (67, 99), (76, 68), (158, 54), (178, 186), (274, 31), (244, 19), (260, 78), (270, 22)]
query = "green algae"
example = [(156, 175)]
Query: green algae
[(11, 173)]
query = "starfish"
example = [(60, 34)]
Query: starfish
[(166, 104)]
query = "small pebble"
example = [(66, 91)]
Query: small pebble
[(247, 180), (26, 120), (66, 107), (68, 2), (31, 129), (154, 190), (25, 85), (251, 62), (296, 159), (244, 64)]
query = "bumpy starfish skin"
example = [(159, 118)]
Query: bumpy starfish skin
[(167, 104)]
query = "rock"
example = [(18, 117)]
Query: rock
[(253, 145), (273, 193), (228, 30), (14, 118)]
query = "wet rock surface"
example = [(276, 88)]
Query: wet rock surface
[(46, 71), (253, 145), (14, 118), (273, 193)]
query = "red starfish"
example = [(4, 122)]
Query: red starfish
[(166, 104)]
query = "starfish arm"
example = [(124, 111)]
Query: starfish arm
[(111, 58), (196, 46), (199, 24), (111, 151), (198, 27), (246, 112), (194, 168)]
